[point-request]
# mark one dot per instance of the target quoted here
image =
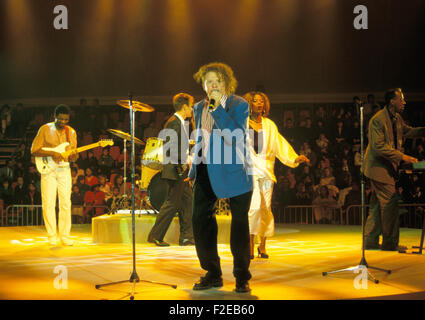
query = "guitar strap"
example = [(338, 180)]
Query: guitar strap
[(67, 134)]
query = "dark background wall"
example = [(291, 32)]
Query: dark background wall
[(153, 47)]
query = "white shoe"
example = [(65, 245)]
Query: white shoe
[(67, 242)]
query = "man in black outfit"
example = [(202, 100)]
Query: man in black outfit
[(179, 193), (221, 123), (383, 155)]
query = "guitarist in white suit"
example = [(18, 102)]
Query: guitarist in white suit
[(58, 181)]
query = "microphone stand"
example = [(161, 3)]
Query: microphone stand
[(362, 266), (134, 277)]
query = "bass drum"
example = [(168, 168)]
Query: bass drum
[(157, 191)]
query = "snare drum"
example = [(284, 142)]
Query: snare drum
[(153, 156)]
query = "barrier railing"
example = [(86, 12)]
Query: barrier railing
[(411, 215), (32, 215), (310, 214)]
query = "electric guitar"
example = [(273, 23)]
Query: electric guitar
[(47, 164)]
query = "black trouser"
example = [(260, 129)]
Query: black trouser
[(384, 217), (179, 199), (205, 228)]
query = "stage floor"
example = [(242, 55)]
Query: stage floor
[(31, 269)]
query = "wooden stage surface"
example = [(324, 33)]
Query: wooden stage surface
[(29, 268)]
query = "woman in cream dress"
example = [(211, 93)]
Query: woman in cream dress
[(266, 144)]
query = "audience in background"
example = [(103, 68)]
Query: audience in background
[(329, 135)]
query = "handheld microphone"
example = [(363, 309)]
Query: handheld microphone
[(211, 105)]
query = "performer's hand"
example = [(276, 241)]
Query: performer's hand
[(73, 156), (216, 95), (301, 159), (57, 157), (409, 159)]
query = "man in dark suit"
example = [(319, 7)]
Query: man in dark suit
[(174, 172), (383, 155)]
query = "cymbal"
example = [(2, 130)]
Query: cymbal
[(125, 136), (137, 106)]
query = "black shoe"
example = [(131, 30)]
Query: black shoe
[(242, 286), (187, 242), (251, 257), (398, 248), (207, 283), (159, 243)]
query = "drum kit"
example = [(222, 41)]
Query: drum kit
[(151, 166), (152, 159)]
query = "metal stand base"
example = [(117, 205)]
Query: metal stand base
[(134, 278), (360, 268)]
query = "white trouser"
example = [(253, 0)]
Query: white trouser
[(261, 220), (58, 181)]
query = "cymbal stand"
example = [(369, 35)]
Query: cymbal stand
[(134, 277)]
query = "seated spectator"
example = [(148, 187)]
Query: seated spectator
[(284, 195), (105, 187), (322, 142), (325, 205), (319, 128), (303, 172), (113, 201), (354, 134), (81, 183), (305, 150), (302, 196), (21, 154), (94, 200), (329, 181), (19, 121), (344, 177), (418, 195), (19, 169), (6, 119), (8, 172), (6, 193), (420, 152), (19, 191), (77, 201), (119, 183), (80, 172), (74, 175), (33, 176), (404, 194), (32, 196), (291, 177), (340, 132), (90, 179), (353, 197), (289, 131), (105, 162), (89, 162)]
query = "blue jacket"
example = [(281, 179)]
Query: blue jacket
[(229, 176)]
